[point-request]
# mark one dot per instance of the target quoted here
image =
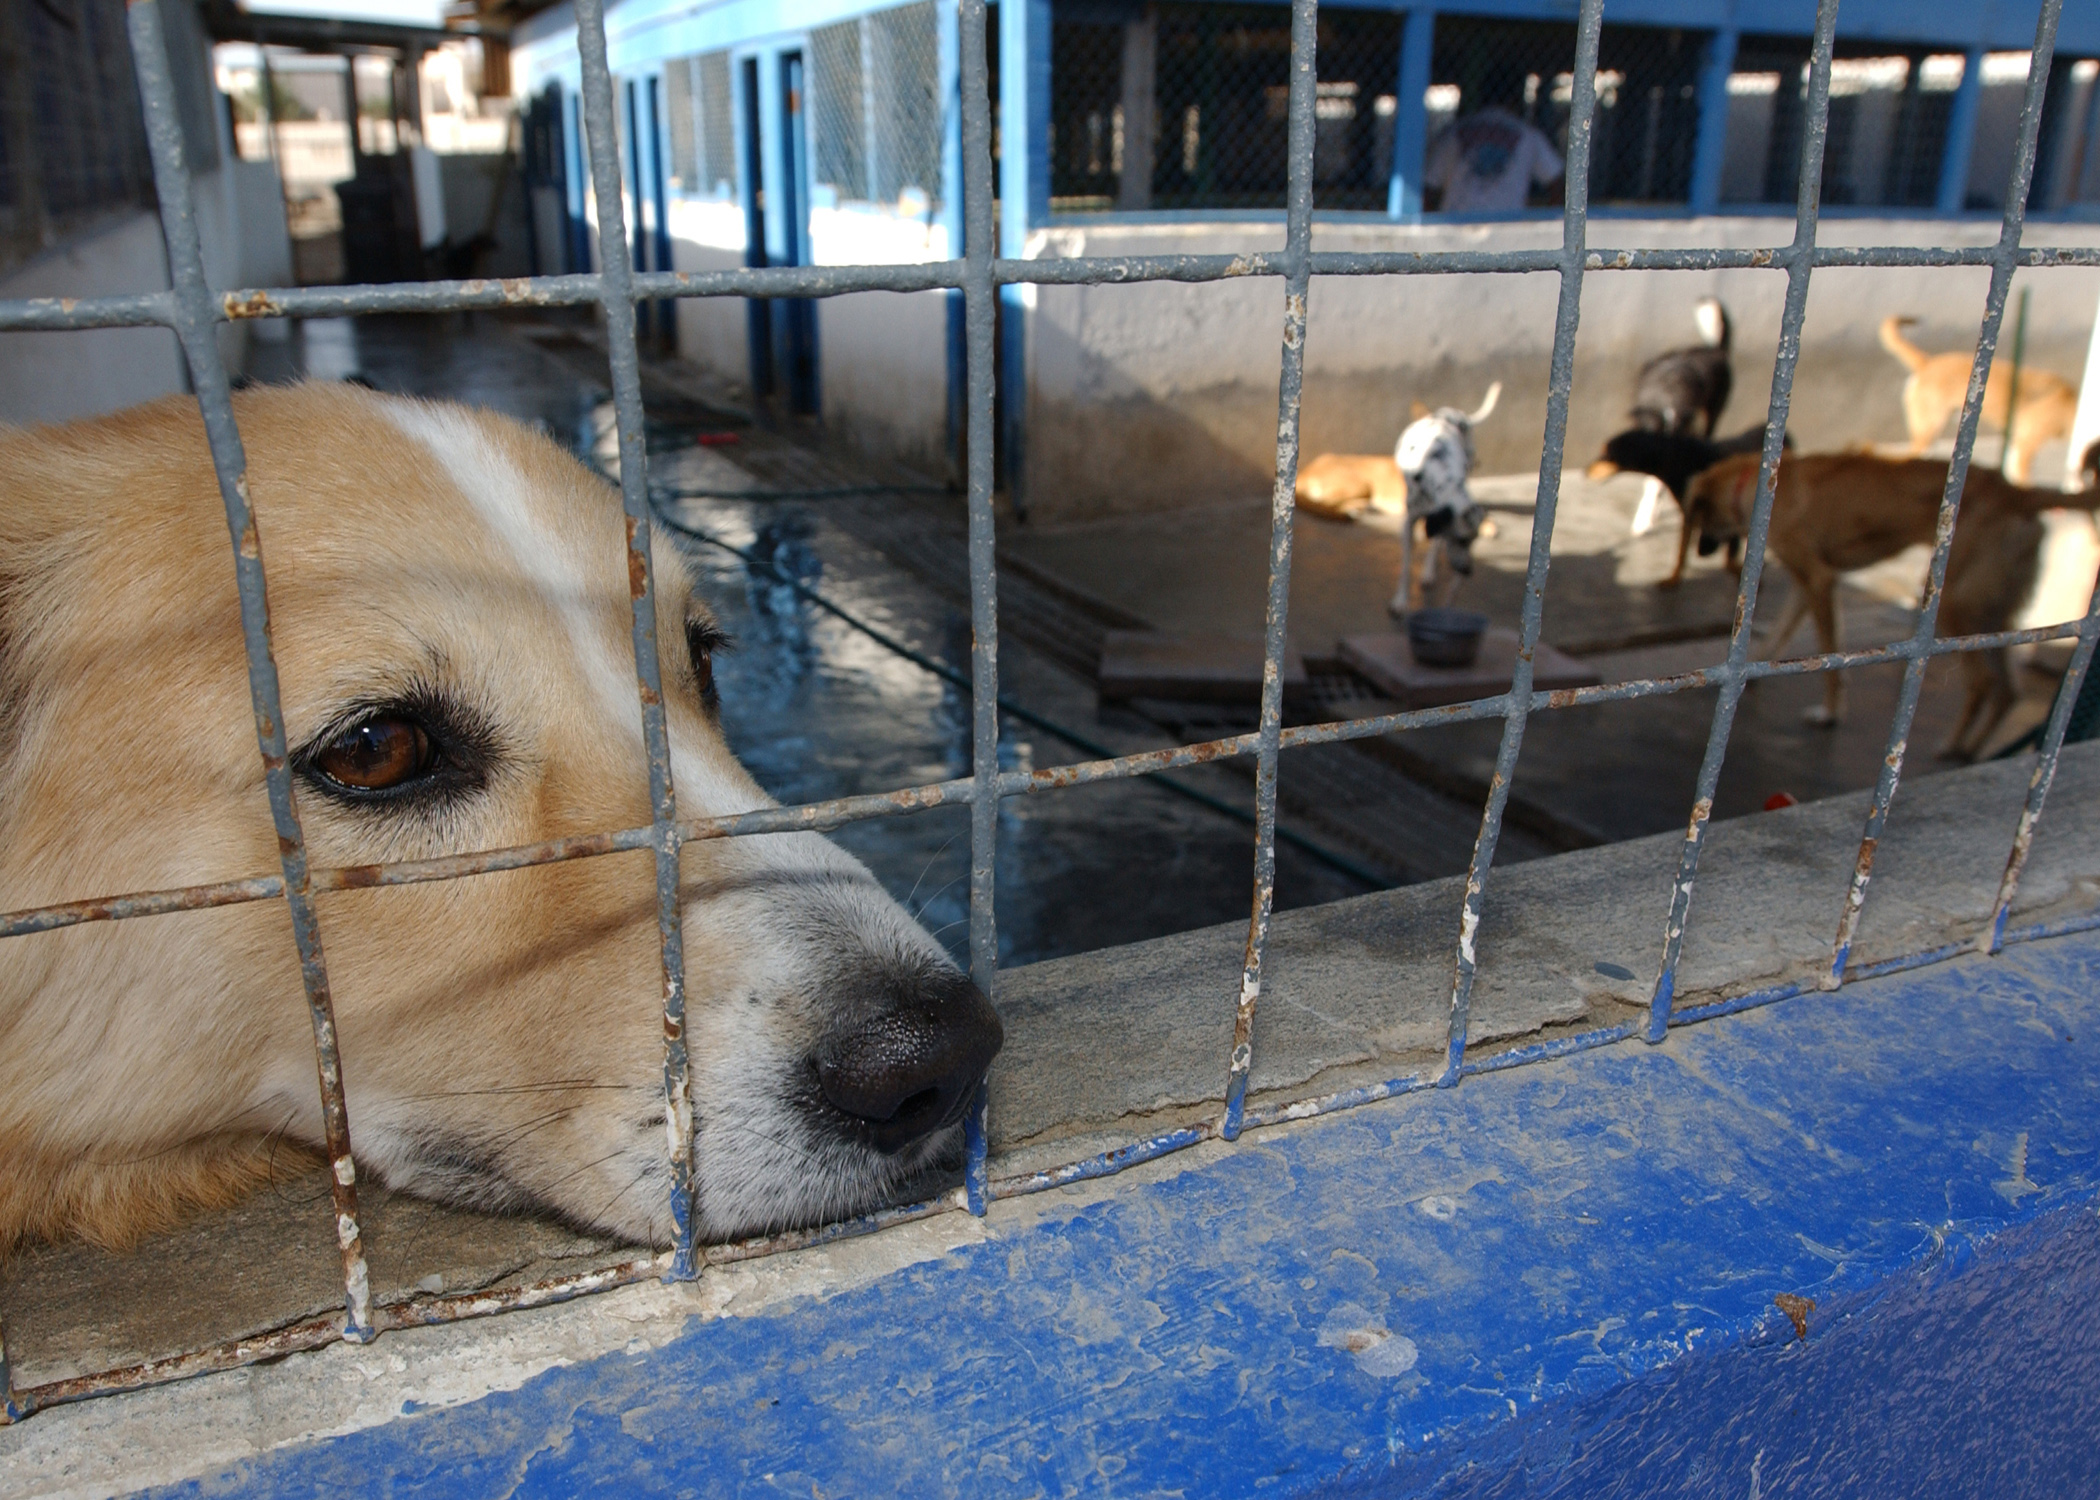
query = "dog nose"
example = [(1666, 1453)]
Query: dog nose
[(911, 1067)]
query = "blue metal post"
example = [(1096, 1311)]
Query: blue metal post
[(1024, 201), (1403, 198), (1710, 152), (1961, 135)]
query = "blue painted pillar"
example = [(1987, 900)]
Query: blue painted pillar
[(1961, 134), (1024, 201), (1403, 195), (948, 47), (1710, 151)]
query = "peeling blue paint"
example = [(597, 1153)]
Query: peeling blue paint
[(1553, 1280)]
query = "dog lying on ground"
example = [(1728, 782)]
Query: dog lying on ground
[(1341, 486), (1939, 383), (1673, 460), (1836, 512), (1435, 456), (450, 600)]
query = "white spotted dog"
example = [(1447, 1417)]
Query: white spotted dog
[(1435, 454)]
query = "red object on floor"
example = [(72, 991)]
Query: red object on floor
[(715, 439), (1781, 799)]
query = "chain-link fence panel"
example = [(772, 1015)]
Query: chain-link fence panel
[(838, 108), (1185, 106), (681, 125), (1498, 105), (717, 116), (905, 118), (72, 143), (875, 108), (1891, 108), (698, 124)]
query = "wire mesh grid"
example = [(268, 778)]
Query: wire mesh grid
[(193, 310), (875, 107), (70, 143)]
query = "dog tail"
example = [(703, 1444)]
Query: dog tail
[(1892, 339), (1712, 319), (1487, 407)]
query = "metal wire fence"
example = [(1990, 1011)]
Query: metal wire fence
[(70, 143), (193, 310), (875, 107)]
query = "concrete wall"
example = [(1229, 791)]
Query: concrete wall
[(882, 355), (57, 377), (52, 377), (1158, 396)]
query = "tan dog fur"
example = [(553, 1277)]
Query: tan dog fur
[(501, 1036), (1939, 383), (1340, 485), (1836, 512)]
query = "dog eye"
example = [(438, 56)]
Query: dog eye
[(703, 638), (377, 755)]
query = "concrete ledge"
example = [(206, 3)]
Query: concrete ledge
[(1840, 1245), (1358, 991)]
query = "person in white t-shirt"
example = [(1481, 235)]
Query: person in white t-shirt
[(1488, 162)]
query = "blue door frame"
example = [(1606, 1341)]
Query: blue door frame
[(773, 162), (796, 327)]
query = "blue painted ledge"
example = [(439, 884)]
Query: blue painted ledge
[(1557, 1280)]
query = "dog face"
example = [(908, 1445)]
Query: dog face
[(450, 604), (1435, 453)]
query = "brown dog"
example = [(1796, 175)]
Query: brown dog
[(1836, 512), (1939, 382)]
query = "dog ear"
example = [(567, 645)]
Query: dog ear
[(1416, 411)]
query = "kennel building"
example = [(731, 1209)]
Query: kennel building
[(1694, 1263), (812, 134)]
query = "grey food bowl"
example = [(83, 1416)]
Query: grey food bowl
[(1445, 637)]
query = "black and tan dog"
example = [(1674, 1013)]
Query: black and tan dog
[(1673, 460)]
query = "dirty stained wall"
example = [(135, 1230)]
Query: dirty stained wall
[(1159, 396)]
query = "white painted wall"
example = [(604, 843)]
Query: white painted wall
[(882, 356), (57, 377), (54, 377), (1164, 395)]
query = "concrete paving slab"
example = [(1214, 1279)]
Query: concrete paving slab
[(1386, 659), (1195, 668)]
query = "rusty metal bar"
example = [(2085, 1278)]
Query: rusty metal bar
[(191, 310), (193, 323), (154, 309), (616, 280), (1957, 475), (980, 310), (1808, 205), (2044, 774), (1574, 229), (837, 812), (1290, 386)]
